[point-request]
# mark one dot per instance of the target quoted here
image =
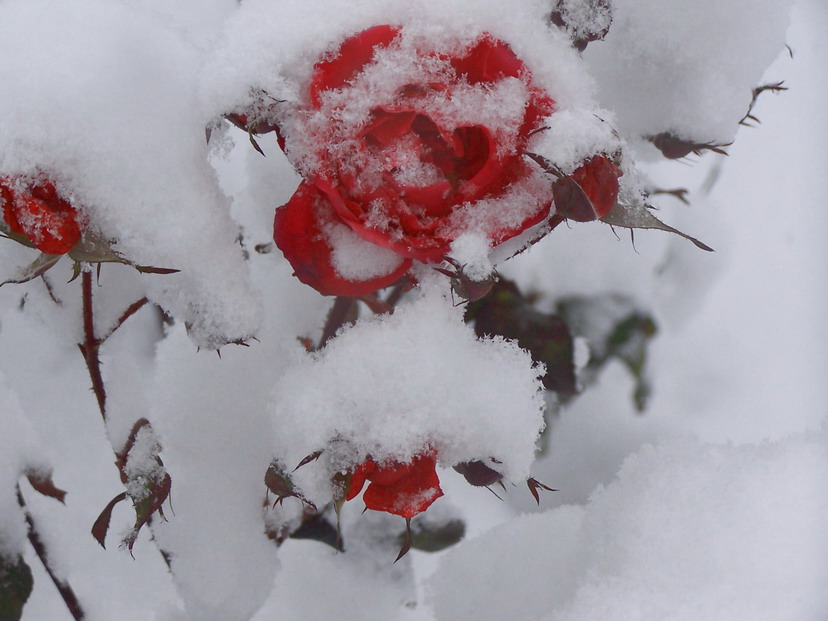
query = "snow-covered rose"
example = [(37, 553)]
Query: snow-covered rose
[(404, 146), (39, 216)]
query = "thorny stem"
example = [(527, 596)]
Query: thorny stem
[(129, 312), (92, 344), (63, 587), (89, 348)]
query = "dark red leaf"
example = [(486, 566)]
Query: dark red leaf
[(312, 457), (43, 484), (101, 525), (535, 485)]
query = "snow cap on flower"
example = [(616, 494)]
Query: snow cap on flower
[(442, 388)]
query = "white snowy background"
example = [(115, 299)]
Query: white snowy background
[(712, 504)]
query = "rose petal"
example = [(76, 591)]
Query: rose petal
[(488, 61), (408, 237), (407, 495), (354, 53), (42, 216), (358, 478), (297, 233), (389, 126), (540, 106), (598, 177)]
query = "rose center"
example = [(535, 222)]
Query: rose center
[(417, 153)]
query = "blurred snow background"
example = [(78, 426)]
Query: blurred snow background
[(710, 505)]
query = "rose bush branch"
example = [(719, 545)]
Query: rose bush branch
[(65, 590), (148, 488)]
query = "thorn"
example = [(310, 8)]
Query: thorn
[(218, 351), (255, 144), (494, 493)]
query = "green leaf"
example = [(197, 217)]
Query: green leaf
[(508, 313), (35, 269), (614, 329), (16, 584), (640, 217), (429, 536)]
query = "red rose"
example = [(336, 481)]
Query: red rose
[(401, 489), (407, 149), (39, 214)]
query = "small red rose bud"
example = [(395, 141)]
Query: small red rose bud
[(589, 21), (590, 192), (40, 215)]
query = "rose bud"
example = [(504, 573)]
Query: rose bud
[(478, 474)]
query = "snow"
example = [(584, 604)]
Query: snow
[(754, 549), (441, 388), (86, 111), (686, 68), (573, 136), (20, 454), (355, 259), (709, 505)]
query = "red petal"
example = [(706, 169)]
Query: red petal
[(297, 234), (598, 177), (411, 494), (540, 106), (389, 474), (404, 241), (358, 478), (354, 53), (7, 196), (489, 61), (387, 126), (43, 217)]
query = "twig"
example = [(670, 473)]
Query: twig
[(63, 587), (90, 350), (129, 312)]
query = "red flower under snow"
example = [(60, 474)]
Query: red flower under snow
[(439, 156), (401, 489), (39, 214)]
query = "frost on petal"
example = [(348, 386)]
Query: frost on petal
[(325, 254)]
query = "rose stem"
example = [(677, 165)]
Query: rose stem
[(91, 346), (339, 315), (397, 293), (63, 587)]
